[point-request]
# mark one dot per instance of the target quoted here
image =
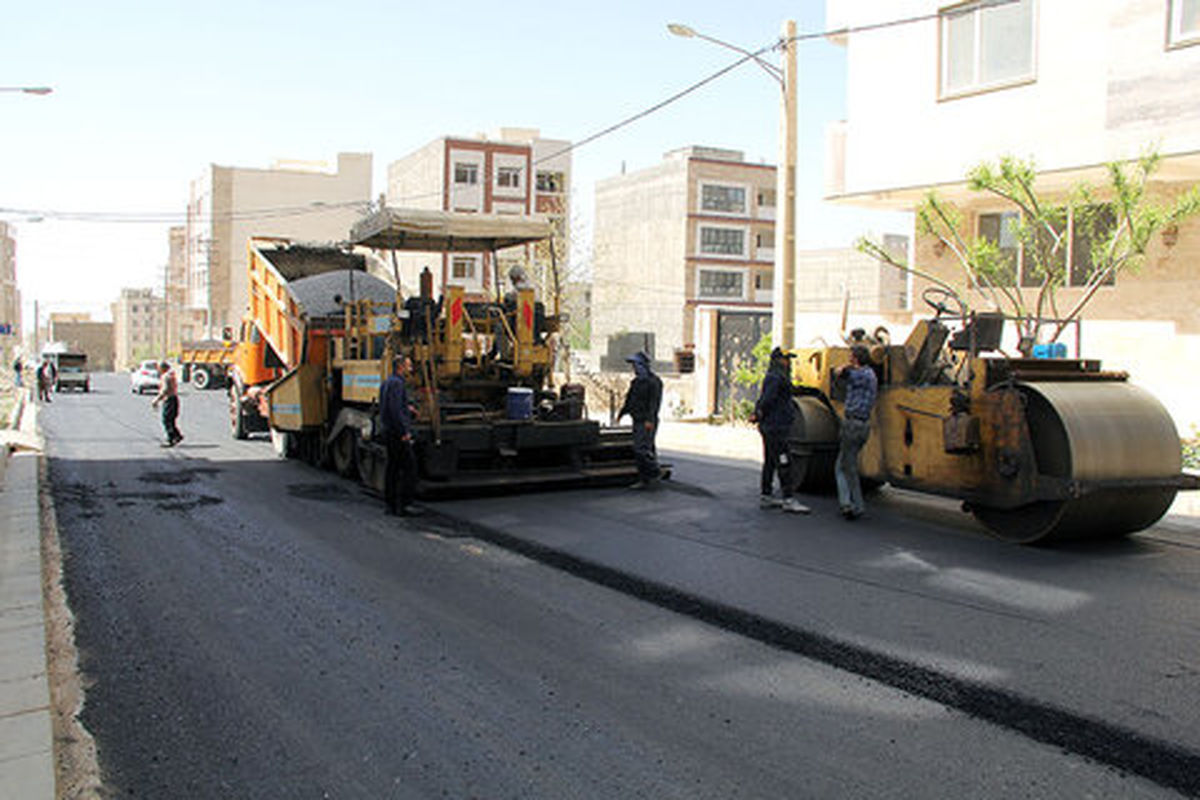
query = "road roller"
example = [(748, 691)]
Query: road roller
[(1039, 449)]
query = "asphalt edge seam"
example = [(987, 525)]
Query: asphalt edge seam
[(1114, 746), (77, 773)]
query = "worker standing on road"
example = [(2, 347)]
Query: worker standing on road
[(18, 379), (45, 379), (396, 413), (168, 395), (642, 402), (774, 412), (861, 389)]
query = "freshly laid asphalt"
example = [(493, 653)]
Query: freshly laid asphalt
[(1089, 649)]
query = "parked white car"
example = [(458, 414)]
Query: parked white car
[(144, 377)]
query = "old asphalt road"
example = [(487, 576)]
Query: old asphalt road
[(256, 628)]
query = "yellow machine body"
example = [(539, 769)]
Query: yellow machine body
[(298, 399), (1038, 449)]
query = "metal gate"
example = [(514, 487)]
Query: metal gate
[(737, 333)]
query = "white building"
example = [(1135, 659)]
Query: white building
[(514, 171), (304, 201), (1071, 86)]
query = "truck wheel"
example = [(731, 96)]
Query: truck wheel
[(344, 455), (201, 378)]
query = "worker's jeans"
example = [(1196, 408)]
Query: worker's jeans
[(170, 412), (776, 460), (400, 477), (849, 487), (644, 452)]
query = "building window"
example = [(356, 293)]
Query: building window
[(1001, 230), (766, 197), (764, 281), (1185, 22), (986, 45), (1088, 230), (723, 241), (721, 284), (550, 181), (509, 177), (466, 173), (723, 199), (1016, 262), (463, 269)]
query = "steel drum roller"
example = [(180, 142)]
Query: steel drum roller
[(1099, 435)]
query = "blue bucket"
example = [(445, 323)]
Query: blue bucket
[(520, 402), (1050, 350)]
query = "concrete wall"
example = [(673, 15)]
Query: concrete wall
[(10, 297), (826, 278), (640, 242), (242, 203), (95, 339), (1105, 87)]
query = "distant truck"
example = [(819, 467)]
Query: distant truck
[(72, 371), (206, 362)]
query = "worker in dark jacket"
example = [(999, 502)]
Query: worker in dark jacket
[(396, 413), (641, 404), (774, 412)]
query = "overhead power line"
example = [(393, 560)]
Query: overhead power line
[(169, 217)]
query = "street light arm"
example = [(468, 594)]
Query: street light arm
[(27, 89), (770, 69)]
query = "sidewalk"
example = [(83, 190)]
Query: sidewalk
[(26, 739), (742, 442)]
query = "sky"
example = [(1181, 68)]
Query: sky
[(147, 95)]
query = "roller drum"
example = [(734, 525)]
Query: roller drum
[(1098, 435)]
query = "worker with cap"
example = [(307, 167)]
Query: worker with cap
[(642, 402), (774, 412), (397, 413)]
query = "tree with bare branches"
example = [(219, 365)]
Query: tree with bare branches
[(1115, 223)]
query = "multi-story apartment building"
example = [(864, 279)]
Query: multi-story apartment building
[(183, 322), (1038, 80), (80, 334), (515, 171), (138, 332), (685, 250), (10, 297), (227, 205)]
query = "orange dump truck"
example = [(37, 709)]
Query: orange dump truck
[(205, 362), (297, 293)]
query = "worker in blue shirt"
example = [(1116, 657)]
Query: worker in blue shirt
[(396, 413), (861, 389)]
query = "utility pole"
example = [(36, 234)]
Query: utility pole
[(37, 349), (166, 311), (784, 324)]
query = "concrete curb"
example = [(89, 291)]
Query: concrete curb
[(26, 732)]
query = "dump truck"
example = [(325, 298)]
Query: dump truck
[(71, 371), (1038, 449), (321, 333), (204, 362)]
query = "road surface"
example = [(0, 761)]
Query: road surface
[(256, 628)]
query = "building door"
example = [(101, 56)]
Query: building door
[(737, 333)]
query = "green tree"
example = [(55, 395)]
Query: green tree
[(1117, 222)]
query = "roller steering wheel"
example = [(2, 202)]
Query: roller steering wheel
[(936, 296)]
